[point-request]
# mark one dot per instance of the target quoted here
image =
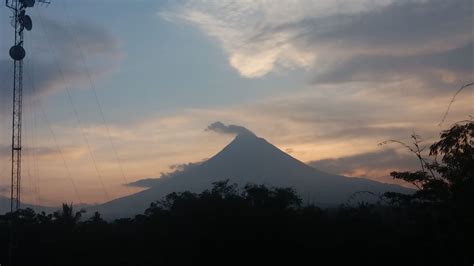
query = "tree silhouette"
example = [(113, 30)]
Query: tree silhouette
[(66, 215), (449, 177)]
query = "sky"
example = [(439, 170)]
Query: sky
[(120, 90)]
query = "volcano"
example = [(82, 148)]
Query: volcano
[(249, 159), (5, 206)]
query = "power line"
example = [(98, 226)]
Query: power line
[(60, 152), (35, 130), (76, 114), (53, 135), (93, 87)]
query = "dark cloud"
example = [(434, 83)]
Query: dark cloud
[(376, 133), (403, 39), (458, 62), (176, 170), (43, 151), (4, 189), (60, 57), (379, 163), (5, 150), (221, 128), (341, 112), (402, 24), (184, 166)]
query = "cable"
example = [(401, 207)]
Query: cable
[(53, 135), (60, 153), (35, 127), (93, 87), (76, 114), (33, 101)]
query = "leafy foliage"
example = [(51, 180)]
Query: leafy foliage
[(448, 176)]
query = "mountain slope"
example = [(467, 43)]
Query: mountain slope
[(250, 159), (5, 206)]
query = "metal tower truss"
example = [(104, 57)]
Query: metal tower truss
[(21, 22), (16, 131)]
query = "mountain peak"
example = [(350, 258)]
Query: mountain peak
[(249, 155), (247, 136), (251, 159), (249, 142)]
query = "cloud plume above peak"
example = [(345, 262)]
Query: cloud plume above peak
[(221, 128)]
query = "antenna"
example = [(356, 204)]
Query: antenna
[(21, 22)]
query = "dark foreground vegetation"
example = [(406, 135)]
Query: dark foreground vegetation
[(256, 224)]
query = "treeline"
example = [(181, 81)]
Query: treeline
[(227, 225)]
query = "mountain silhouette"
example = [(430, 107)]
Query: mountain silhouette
[(5, 206), (249, 159)]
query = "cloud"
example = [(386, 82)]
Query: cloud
[(221, 128), (314, 124), (451, 66), (184, 166), (176, 170), (46, 152), (62, 56), (4, 189), (376, 165), (338, 39), (399, 28)]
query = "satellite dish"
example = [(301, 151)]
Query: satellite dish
[(26, 22), (17, 53), (28, 3)]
